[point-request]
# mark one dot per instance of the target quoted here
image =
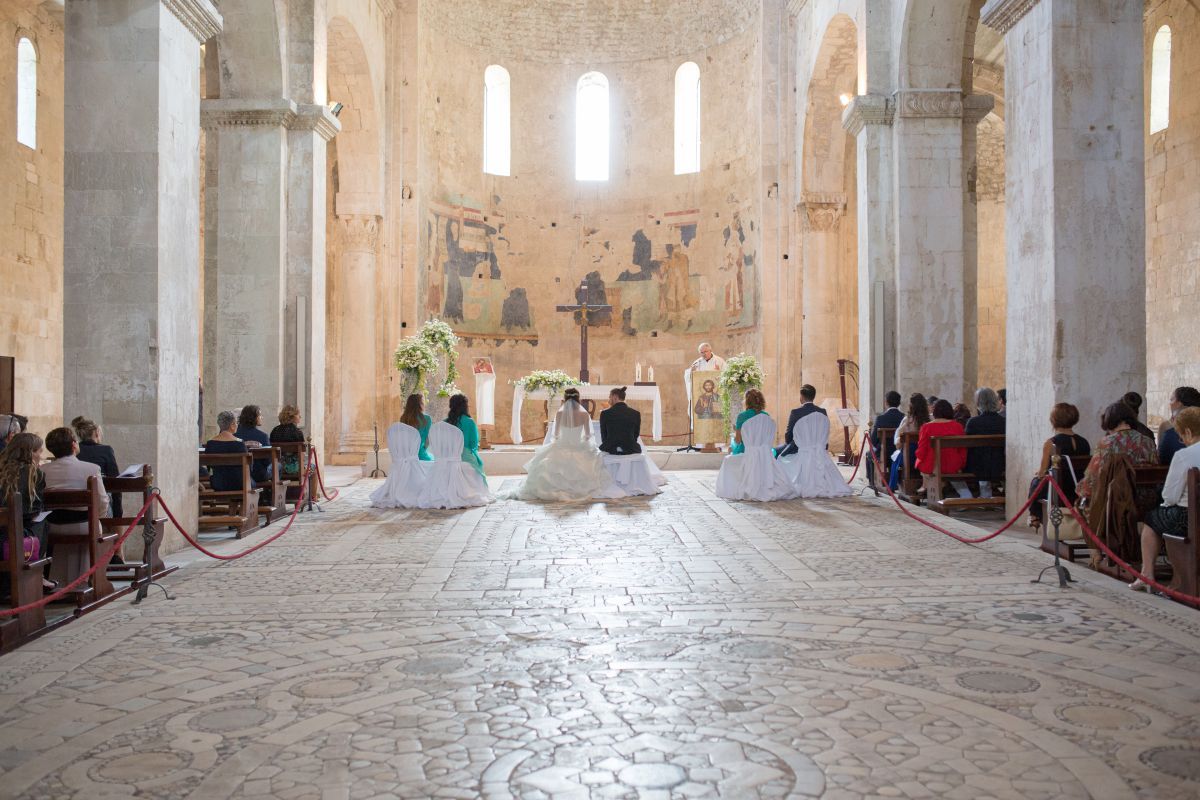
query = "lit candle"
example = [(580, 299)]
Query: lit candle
[(637, 372), (651, 378)]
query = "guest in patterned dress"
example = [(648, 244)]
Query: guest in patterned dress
[(1121, 438)]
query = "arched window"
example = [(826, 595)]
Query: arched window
[(1160, 80), (591, 128), (687, 118), (497, 133), (26, 93)]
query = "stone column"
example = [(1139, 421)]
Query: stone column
[(1075, 224), (304, 311), (929, 242), (356, 324), (245, 293), (975, 108), (820, 220), (868, 118), (132, 227)]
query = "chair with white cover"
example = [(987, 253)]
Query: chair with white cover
[(812, 471), (452, 482), (755, 474), (632, 473), (408, 473)]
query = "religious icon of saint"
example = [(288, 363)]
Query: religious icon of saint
[(482, 366), (708, 405)]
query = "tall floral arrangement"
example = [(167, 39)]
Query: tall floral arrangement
[(440, 337), (741, 372), (416, 361), (555, 381)]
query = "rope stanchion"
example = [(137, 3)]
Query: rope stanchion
[(316, 463), (862, 454), (101, 563), (1087, 531)]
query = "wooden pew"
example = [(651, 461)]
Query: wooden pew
[(909, 488), (945, 505), (151, 565), (24, 579), (291, 482), (1071, 548), (886, 438), (1183, 552), (271, 497), (237, 509), (84, 543)]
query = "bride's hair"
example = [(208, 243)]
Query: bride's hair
[(571, 394)]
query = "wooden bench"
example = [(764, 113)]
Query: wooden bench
[(79, 545), (1182, 551), (151, 565), (272, 496), (24, 579), (886, 439), (291, 481), (909, 485), (236, 509), (934, 497), (1070, 548)]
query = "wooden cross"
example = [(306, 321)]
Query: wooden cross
[(584, 308)]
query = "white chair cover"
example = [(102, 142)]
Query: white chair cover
[(631, 473), (452, 483), (755, 474), (408, 474), (812, 471)]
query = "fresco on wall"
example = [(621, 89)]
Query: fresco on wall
[(676, 273)]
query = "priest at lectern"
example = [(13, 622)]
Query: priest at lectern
[(707, 362)]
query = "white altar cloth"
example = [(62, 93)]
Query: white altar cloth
[(593, 392)]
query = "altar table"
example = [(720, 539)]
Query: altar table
[(591, 392)]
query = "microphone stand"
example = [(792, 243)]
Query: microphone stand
[(690, 447), (377, 472)]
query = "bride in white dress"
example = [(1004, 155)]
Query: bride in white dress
[(568, 466)]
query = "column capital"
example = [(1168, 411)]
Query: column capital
[(976, 107), (360, 232), (316, 118), (1003, 15), (867, 109), (822, 210), (221, 113), (200, 17), (929, 104)]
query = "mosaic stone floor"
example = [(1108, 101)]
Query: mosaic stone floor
[(675, 647)]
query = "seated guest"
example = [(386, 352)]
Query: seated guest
[(1003, 395), (986, 463), (1065, 442), (943, 424), (891, 419), (961, 414), (93, 451), (1171, 518), (808, 394), (461, 419), (20, 473), (1120, 439), (415, 417), (10, 426), (66, 471), (1134, 401), (1169, 441), (915, 418), (288, 430), (755, 404), (226, 477), (249, 432)]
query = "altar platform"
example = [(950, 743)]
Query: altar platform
[(507, 459)]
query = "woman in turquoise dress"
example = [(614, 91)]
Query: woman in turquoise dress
[(755, 405), (415, 416), (459, 418)]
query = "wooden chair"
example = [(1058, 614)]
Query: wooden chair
[(1074, 548), (271, 497), (909, 488), (81, 543), (1183, 552), (236, 509), (151, 564), (886, 438), (290, 481), (945, 505), (24, 579)]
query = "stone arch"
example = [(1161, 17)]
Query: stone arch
[(252, 50), (827, 212), (350, 83), (934, 45)]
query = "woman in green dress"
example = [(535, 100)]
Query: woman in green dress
[(415, 416), (755, 405), (459, 418)]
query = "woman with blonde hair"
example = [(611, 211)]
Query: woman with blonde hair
[(755, 404), (288, 430), (20, 472)]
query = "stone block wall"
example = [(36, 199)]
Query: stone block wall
[(31, 216)]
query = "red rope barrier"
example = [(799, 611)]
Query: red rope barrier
[(862, 454), (321, 481), (101, 563)]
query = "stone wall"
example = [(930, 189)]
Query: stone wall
[(1173, 213), (31, 217), (989, 192), (675, 256)]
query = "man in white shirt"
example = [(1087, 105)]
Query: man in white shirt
[(708, 360), (68, 472), (1171, 518)]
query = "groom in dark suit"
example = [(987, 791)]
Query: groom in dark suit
[(620, 426), (808, 394)]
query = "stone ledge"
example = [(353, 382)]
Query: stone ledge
[(929, 104), (200, 17), (1003, 15), (236, 113), (868, 109), (316, 118), (976, 107)]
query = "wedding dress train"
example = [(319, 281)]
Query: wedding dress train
[(568, 466)]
